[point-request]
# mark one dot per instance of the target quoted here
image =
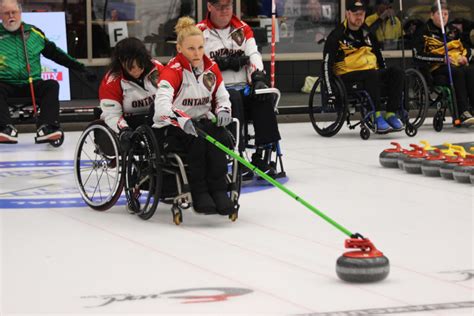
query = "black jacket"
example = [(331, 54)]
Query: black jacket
[(346, 51)]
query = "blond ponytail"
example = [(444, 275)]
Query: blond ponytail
[(186, 27)]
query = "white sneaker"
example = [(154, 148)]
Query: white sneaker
[(466, 118)]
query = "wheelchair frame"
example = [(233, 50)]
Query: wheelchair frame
[(443, 101), (345, 104), (140, 172)]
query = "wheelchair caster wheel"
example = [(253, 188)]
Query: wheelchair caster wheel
[(177, 215), (233, 217), (411, 130), (438, 122), (364, 133), (58, 142)]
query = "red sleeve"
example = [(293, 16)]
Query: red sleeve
[(248, 32), (173, 76), (159, 66), (110, 88)]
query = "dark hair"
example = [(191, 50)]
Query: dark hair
[(213, 1), (444, 6), (126, 52)]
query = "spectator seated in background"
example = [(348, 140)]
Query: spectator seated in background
[(429, 52), (231, 44), (385, 25), (14, 74), (352, 53)]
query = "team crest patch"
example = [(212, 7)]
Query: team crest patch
[(238, 36), (209, 79)]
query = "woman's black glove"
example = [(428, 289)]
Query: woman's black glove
[(125, 138)]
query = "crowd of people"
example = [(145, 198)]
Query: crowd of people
[(214, 77), (353, 52)]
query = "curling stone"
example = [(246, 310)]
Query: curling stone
[(401, 158), (412, 162), (446, 169), (365, 265), (461, 172), (430, 166), (471, 177), (389, 157)]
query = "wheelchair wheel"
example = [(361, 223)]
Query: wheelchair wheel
[(98, 167), (143, 173), (327, 118), (364, 133), (416, 97), (438, 121), (410, 130), (58, 142)]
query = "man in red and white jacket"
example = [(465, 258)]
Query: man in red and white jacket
[(231, 44), (186, 96)]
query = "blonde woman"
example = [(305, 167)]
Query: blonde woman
[(191, 91)]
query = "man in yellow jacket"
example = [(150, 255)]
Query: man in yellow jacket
[(352, 53), (429, 51), (385, 25)]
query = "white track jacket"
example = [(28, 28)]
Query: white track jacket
[(237, 39), (184, 95), (120, 97)]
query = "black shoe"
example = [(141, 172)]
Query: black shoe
[(265, 167), (203, 203), (8, 134), (48, 133), (224, 204)]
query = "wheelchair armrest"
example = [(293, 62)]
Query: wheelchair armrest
[(271, 90)]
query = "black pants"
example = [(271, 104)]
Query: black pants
[(207, 164), (463, 79), (264, 120), (383, 82), (46, 91)]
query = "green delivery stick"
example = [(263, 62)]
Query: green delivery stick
[(272, 181)]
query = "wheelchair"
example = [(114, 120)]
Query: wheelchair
[(272, 154), (441, 97), (21, 111), (328, 116), (103, 171)]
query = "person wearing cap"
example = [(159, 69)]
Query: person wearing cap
[(230, 43), (429, 52), (353, 53), (385, 24)]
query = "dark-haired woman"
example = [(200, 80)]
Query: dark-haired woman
[(128, 89)]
